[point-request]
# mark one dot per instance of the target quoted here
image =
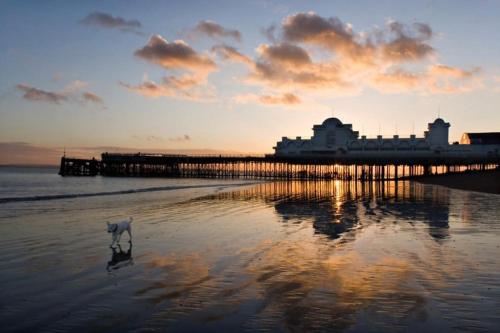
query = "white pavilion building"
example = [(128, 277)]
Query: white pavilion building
[(333, 138)]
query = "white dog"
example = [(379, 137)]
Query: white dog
[(117, 229)]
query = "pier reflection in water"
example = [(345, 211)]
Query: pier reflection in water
[(335, 207), (366, 257)]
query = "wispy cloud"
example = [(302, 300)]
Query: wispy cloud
[(269, 32), (230, 53), (91, 97), (105, 20), (287, 99), (182, 138), (38, 95), (435, 79), (71, 93), (159, 139), (27, 153), (189, 87), (214, 30)]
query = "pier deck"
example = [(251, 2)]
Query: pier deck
[(269, 166)]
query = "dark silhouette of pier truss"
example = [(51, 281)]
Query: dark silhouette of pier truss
[(342, 167)]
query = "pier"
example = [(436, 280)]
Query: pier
[(335, 151), (269, 166), (79, 167)]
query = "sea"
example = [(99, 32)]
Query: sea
[(226, 255)]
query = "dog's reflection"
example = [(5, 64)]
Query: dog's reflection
[(120, 258)]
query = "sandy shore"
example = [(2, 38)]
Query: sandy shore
[(275, 256), (480, 181)]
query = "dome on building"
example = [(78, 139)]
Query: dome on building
[(439, 121), (333, 122)]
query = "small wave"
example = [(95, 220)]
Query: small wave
[(130, 191)]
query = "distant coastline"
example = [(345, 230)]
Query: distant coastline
[(479, 181)]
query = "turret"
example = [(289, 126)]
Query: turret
[(437, 133)]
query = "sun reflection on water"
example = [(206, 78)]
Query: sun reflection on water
[(381, 251)]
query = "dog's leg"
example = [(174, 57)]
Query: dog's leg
[(114, 239), (129, 234)]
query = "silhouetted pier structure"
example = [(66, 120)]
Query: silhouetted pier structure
[(79, 167), (270, 166)]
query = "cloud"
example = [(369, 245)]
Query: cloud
[(230, 53), (285, 54), (283, 99), (154, 138), (406, 45), (269, 33), (25, 153), (287, 99), (314, 56), (184, 87), (214, 30), (285, 66), (496, 83), (330, 33), (74, 86), (91, 97), (353, 60), (424, 29), (111, 22), (70, 93), (443, 79), (174, 55), (397, 43), (182, 138), (38, 95), (436, 79), (457, 73), (150, 88)]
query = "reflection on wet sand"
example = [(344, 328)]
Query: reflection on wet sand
[(330, 291), (334, 206), (185, 273), (120, 258), (277, 256), (375, 257)]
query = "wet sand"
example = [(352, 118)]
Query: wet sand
[(478, 181), (276, 257)]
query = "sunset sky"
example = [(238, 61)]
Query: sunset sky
[(236, 76)]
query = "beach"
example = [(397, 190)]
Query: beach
[(268, 256), (478, 181)]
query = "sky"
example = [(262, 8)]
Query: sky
[(235, 76)]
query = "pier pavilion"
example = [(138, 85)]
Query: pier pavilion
[(334, 139), (335, 151)]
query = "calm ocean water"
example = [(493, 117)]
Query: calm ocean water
[(217, 255)]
